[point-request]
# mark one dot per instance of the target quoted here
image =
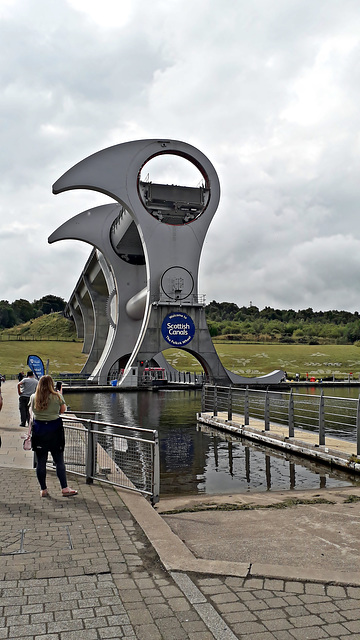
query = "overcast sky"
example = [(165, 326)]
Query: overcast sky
[(269, 90)]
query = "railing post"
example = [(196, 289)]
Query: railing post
[(156, 470), (230, 404), (202, 400), (215, 412), (267, 411), (246, 406), (90, 454), (291, 415), (322, 419), (358, 427)]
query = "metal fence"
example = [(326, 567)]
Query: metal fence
[(329, 416), (194, 298), (186, 377), (76, 380), (116, 454), (32, 337)]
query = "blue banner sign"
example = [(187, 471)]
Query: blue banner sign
[(36, 365), (178, 329)]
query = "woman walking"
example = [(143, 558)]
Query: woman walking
[(48, 433)]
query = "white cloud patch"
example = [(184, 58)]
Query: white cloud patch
[(108, 14)]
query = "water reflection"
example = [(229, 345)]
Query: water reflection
[(197, 460), (253, 467)]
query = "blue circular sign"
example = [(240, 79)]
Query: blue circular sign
[(178, 329)]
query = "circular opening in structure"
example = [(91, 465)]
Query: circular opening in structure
[(173, 189), (177, 283), (182, 361)]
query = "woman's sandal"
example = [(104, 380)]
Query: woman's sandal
[(69, 492), (44, 493)]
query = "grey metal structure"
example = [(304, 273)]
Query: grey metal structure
[(151, 240), (90, 307)]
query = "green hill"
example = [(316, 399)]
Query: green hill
[(52, 326), (227, 321)]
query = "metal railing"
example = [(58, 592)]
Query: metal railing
[(182, 377), (124, 456), (74, 380), (186, 377), (34, 337), (193, 299), (329, 416)]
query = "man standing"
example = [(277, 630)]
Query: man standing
[(26, 387)]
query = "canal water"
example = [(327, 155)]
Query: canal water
[(336, 392), (198, 460)]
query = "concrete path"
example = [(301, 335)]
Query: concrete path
[(105, 564)]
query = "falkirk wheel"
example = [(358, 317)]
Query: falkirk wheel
[(150, 241)]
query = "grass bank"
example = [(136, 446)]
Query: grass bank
[(256, 359), (244, 359), (63, 356)]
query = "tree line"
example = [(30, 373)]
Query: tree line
[(22, 310), (228, 321)]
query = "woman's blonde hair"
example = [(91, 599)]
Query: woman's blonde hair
[(43, 390)]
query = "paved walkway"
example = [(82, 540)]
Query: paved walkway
[(105, 564)]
